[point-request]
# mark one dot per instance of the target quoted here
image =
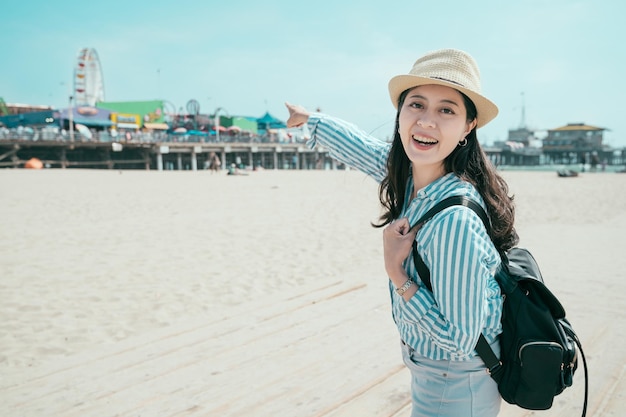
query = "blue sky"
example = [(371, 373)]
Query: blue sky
[(566, 58)]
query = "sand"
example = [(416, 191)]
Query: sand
[(94, 256), (91, 259)]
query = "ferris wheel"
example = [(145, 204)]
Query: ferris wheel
[(88, 80)]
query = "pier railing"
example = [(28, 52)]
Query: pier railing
[(163, 155), (163, 151)]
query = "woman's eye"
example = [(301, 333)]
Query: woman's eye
[(416, 105), (447, 111)]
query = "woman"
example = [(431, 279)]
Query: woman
[(435, 154)]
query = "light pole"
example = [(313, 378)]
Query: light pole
[(217, 122), (71, 119)]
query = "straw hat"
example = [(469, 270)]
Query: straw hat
[(449, 67)]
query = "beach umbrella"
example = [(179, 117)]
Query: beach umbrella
[(234, 129), (84, 130), (180, 130)]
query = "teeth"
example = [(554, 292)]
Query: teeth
[(423, 140)]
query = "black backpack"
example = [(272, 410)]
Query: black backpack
[(538, 344)]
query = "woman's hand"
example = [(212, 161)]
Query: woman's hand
[(397, 242), (298, 115)]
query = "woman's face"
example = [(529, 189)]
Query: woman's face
[(432, 122)]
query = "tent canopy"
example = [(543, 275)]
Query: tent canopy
[(270, 122)]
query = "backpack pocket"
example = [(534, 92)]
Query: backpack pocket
[(541, 366)]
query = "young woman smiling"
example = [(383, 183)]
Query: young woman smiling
[(435, 154)]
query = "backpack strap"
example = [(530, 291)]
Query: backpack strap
[(455, 200), (494, 365)]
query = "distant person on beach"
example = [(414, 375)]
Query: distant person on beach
[(233, 170), (214, 162), (435, 154)]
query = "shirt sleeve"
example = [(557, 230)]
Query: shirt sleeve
[(350, 145), (461, 259)]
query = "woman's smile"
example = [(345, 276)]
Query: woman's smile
[(424, 140)]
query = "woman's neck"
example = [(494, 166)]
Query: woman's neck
[(424, 175)]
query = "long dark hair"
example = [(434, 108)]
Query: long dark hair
[(470, 163)]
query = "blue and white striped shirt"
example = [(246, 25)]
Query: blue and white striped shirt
[(466, 299)]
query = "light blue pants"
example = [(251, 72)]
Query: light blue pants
[(451, 388)]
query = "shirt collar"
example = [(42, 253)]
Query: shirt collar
[(433, 190), (429, 195)]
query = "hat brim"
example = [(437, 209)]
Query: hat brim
[(485, 108)]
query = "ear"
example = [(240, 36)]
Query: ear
[(470, 126)]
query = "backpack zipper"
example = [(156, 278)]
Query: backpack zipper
[(525, 345)]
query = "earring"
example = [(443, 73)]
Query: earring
[(463, 142)]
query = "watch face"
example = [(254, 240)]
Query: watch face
[(405, 287)]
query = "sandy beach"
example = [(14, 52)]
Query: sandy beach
[(100, 267)]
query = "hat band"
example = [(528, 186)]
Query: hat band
[(449, 81)]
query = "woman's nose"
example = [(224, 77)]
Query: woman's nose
[(425, 121)]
